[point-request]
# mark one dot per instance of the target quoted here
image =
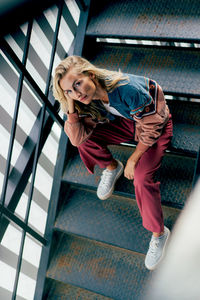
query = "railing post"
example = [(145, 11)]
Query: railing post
[(197, 170), (80, 34), (81, 4)]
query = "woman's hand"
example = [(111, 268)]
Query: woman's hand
[(129, 169), (131, 164)]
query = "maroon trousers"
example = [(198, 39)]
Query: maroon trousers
[(94, 151)]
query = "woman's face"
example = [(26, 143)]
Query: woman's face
[(78, 87)]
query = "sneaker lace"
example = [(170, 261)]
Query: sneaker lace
[(105, 178), (153, 247)]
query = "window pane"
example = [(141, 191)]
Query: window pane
[(10, 247)]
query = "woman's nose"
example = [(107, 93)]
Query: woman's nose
[(77, 94)]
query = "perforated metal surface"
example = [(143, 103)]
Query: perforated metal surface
[(186, 119), (115, 221), (153, 19), (175, 175), (56, 290), (117, 273), (176, 70), (186, 138), (187, 112)]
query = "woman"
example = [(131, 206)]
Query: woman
[(105, 107)]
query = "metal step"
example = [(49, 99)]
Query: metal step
[(116, 221), (186, 131), (56, 290), (185, 112), (186, 139), (175, 69), (147, 19), (110, 271), (186, 127), (175, 174)]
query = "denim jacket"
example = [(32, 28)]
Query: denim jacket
[(140, 99), (133, 95)]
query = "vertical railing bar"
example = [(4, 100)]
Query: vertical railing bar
[(14, 123), (55, 41), (31, 188), (81, 4), (80, 34), (36, 156)]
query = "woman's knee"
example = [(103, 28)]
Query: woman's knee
[(88, 145), (141, 177)]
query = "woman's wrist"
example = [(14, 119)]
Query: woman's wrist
[(71, 111), (71, 107), (135, 157)]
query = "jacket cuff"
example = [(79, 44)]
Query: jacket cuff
[(142, 147), (72, 118)]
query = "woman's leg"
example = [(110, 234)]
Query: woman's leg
[(94, 150), (147, 191)]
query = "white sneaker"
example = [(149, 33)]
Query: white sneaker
[(156, 249), (108, 180)]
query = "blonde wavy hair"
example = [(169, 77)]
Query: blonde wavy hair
[(109, 80)]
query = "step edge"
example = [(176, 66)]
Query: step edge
[(76, 286), (100, 243), (116, 194), (147, 46), (91, 34)]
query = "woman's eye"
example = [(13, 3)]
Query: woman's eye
[(77, 83), (68, 92)]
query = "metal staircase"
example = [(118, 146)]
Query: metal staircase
[(94, 249), (98, 247)]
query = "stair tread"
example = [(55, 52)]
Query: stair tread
[(186, 139), (147, 19), (175, 175), (175, 69), (185, 111), (186, 119), (57, 290), (116, 221), (103, 269)]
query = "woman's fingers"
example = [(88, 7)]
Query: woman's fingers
[(129, 171)]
